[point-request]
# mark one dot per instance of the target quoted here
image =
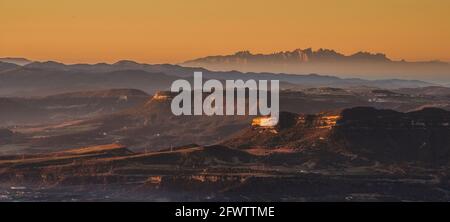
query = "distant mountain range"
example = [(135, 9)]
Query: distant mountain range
[(296, 56), (46, 78), (328, 62)]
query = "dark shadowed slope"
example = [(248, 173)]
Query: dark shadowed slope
[(4, 66), (364, 132)]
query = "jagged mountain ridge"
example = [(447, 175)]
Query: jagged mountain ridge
[(295, 56), (326, 62)]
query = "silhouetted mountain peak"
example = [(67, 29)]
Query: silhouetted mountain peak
[(243, 53)]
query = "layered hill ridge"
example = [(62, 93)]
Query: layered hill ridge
[(46, 78), (380, 135)]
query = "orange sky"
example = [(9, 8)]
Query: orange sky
[(156, 31)]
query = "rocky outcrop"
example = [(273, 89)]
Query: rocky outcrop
[(363, 132)]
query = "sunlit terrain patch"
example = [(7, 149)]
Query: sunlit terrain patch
[(161, 96), (265, 121)]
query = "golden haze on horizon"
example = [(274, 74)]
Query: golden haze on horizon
[(157, 31)]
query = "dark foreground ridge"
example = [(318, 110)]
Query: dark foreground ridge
[(357, 154)]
